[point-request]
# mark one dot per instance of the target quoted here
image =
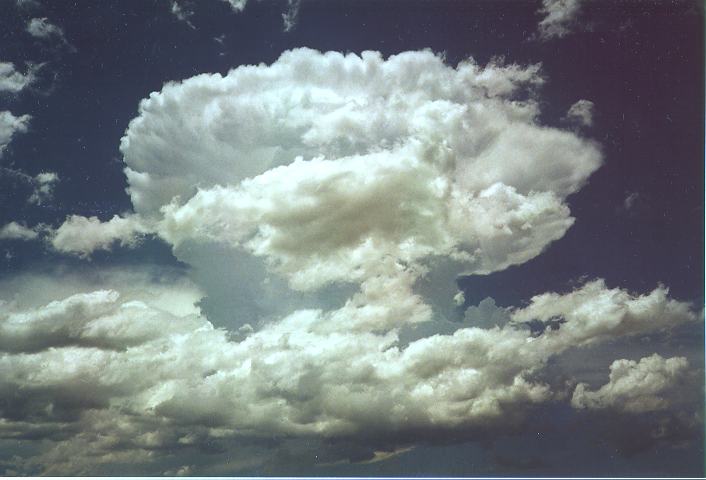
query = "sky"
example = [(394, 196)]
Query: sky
[(351, 238)]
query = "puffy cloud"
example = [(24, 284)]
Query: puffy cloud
[(312, 374), (16, 231), (325, 165), (559, 17), (14, 81), (81, 236), (334, 198), (635, 387), (580, 113), (9, 126), (42, 28), (322, 221), (595, 313), (310, 104)]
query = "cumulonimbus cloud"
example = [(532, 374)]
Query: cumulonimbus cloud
[(325, 164), (312, 199)]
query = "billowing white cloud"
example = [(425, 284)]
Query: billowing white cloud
[(580, 113), (595, 313), (322, 196), (325, 165), (81, 236), (9, 126), (635, 387), (309, 104), (14, 81), (559, 18), (311, 374), (325, 221), (17, 231)]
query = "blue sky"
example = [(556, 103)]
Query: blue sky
[(468, 240)]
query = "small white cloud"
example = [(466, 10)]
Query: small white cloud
[(237, 5), (182, 12), (14, 81), (42, 28), (559, 18), (17, 231), (289, 17), (44, 184), (9, 126), (580, 113), (594, 313), (630, 201), (636, 387), (82, 236)]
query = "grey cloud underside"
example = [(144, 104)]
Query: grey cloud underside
[(312, 374)]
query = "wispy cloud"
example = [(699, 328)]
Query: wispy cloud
[(43, 29), (560, 18), (183, 12)]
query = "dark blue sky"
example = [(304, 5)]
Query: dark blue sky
[(640, 63)]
